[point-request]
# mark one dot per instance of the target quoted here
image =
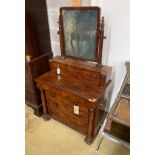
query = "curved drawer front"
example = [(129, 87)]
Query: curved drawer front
[(70, 121), (62, 107), (67, 99)]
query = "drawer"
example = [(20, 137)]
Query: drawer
[(58, 104), (53, 93), (69, 121), (87, 74), (67, 98)]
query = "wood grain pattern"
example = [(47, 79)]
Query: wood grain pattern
[(79, 84), (98, 76)]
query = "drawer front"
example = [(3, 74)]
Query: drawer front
[(69, 121), (61, 105), (68, 98), (63, 108)]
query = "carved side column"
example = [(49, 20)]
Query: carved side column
[(89, 137), (45, 115)]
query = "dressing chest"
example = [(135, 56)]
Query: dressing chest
[(77, 96)]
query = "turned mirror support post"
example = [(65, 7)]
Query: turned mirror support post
[(89, 137), (61, 36), (100, 44)]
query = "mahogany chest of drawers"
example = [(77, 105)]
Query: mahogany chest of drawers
[(74, 97)]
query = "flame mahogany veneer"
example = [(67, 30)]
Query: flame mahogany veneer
[(77, 97), (80, 83)]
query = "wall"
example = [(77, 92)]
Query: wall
[(116, 48), (117, 45)]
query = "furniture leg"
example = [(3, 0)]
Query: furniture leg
[(45, 115), (89, 137)]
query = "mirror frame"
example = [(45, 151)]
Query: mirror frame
[(99, 34)]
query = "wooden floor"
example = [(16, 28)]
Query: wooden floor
[(53, 138)]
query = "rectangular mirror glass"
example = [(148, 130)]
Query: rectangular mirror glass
[(80, 33)]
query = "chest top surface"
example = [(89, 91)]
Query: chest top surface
[(71, 84), (80, 78)]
